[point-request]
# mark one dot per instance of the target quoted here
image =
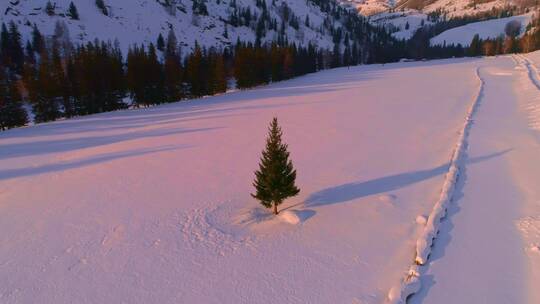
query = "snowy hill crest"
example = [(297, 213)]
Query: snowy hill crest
[(453, 8)]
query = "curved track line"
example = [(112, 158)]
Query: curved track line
[(411, 283), (534, 74)]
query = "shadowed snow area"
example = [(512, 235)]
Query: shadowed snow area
[(153, 205)]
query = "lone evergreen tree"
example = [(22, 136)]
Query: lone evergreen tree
[(49, 8), (72, 11), (101, 5), (12, 114), (37, 40), (160, 43), (275, 179)]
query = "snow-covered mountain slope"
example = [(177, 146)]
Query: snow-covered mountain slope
[(456, 8), (405, 17), (396, 14), (485, 29), (140, 21), (371, 7), (402, 24)]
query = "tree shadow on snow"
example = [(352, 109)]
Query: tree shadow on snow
[(62, 166), (305, 214), (347, 192), (35, 147)]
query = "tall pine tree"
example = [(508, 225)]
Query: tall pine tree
[(43, 90), (275, 179), (101, 6), (73, 12), (12, 114)]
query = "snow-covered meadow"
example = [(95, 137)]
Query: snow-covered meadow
[(153, 205)]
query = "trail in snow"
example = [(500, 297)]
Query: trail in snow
[(411, 283), (532, 70), (532, 105), (530, 89), (480, 255), (529, 223)]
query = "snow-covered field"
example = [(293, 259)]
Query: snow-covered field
[(485, 29), (153, 205)]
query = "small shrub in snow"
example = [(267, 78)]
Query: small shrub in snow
[(275, 179)]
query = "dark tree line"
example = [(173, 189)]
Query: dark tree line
[(508, 44), (61, 80), (12, 113), (255, 65)]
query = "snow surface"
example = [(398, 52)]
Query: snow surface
[(143, 204), (482, 254), (411, 283), (153, 205), (485, 29)]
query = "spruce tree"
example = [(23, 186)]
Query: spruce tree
[(4, 46), (171, 46), (43, 91), (37, 40), (160, 43), (219, 75), (12, 113), (194, 75), (275, 179), (16, 52), (72, 11), (49, 8), (172, 69), (101, 5), (475, 48), (225, 32)]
